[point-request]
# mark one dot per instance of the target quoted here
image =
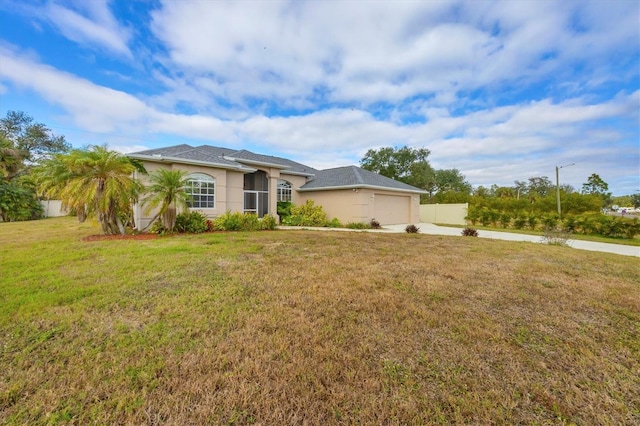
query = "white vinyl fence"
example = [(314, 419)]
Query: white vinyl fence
[(53, 208), (448, 214)]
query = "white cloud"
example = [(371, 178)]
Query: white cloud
[(96, 27), (87, 23), (366, 53), (305, 79), (497, 145), (92, 106)]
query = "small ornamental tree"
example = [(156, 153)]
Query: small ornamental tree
[(167, 191), (96, 181)]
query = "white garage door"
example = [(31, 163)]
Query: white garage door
[(392, 209)]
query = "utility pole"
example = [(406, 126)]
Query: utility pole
[(558, 185)]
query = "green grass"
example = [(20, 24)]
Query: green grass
[(305, 327), (595, 238)]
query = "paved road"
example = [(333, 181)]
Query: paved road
[(430, 228)]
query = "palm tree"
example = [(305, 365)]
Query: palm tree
[(51, 177), (95, 181), (167, 191)]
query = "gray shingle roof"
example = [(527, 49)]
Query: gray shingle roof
[(354, 177), (204, 154), (339, 177), (270, 159), (216, 150), (170, 151)]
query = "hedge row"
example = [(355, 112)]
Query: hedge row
[(586, 224), (195, 222)]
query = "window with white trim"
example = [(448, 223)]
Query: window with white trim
[(202, 191), (284, 190)]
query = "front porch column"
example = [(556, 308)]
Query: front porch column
[(274, 175)]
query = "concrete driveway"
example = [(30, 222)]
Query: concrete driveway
[(430, 228)]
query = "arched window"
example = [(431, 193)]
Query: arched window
[(284, 190), (202, 191)]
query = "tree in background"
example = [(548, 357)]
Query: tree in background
[(451, 186), (411, 166), (539, 186), (596, 186), (97, 181), (408, 165), (23, 144), (34, 140), (482, 192), (167, 191), (451, 180), (520, 187)]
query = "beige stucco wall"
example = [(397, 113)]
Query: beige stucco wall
[(234, 193), (359, 205), (450, 214), (345, 205), (229, 190)]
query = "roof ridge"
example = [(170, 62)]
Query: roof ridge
[(356, 171), (187, 150)]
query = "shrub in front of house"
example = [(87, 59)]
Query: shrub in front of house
[(158, 228), (334, 223), (375, 224), (249, 222), (243, 222), (307, 214), (268, 223), (192, 222), (284, 210), (227, 222)]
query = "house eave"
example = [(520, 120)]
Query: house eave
[(258, 163), (166, 159), (374, 187), (291, 172)]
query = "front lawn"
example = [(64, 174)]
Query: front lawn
[(305, 327)]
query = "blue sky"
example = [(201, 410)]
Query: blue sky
[(501, 90)]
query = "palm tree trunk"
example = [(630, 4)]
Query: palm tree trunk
[(170, 218), (120, 225), (81, 214)]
